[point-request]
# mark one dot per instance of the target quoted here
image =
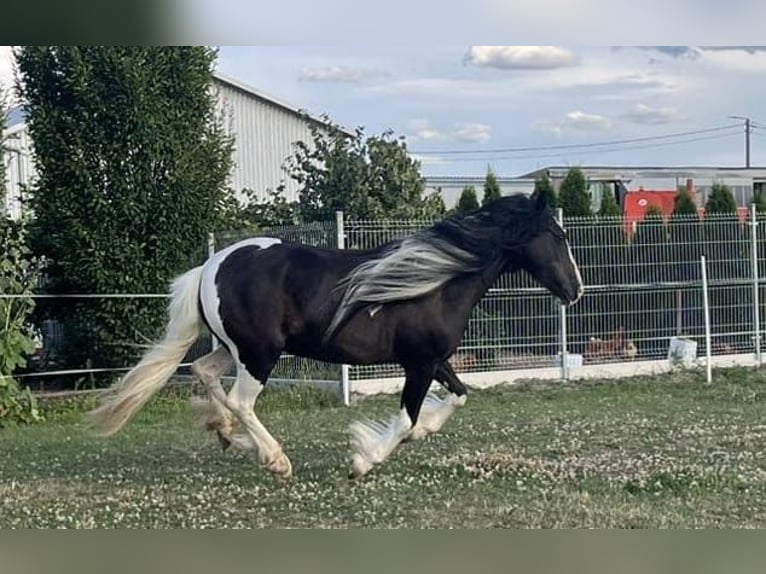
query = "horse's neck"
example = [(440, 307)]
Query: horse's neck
[(467, 291)]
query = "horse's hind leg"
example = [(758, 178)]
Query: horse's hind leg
[(241, 401), (372, 442), (213, 412), (435, 411)]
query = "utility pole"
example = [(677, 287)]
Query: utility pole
[(747, 137)]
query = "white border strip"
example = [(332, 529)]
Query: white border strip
[(487, 379)]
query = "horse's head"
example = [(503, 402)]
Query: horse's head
[(545, 252)]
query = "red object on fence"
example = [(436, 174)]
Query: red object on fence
[(638, 202)]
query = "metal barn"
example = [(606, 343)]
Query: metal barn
[(264, 130)]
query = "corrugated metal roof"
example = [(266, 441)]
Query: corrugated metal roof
[(638, 171), (261, 95)]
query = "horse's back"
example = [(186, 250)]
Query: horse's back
[(266, 273)]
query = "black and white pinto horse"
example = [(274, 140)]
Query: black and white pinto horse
[(406, 302)]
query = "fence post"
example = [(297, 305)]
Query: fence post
[(706, 311), (345, 382), (210, 252), (754, 263), (563, 320)]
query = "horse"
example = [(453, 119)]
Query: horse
[(405, 302)]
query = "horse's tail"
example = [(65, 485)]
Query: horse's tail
[(127, 396)]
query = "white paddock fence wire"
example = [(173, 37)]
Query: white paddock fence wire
[(643, 288)]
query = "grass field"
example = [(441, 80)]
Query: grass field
[(668, 451)]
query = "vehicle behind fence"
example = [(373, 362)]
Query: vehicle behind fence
[(643, 288)]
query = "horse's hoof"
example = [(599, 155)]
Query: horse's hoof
[(281, 468), (359, 467), (417, 433), (224, 441)]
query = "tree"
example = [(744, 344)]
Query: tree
[(19, 273), (467, 201), (720, 200), (574, 198), (274, 211), (759, 199), (686, 239), (132, 163), (544, 186), (726, 250), (608, 207), (365, 177), (684, 203), (491, 188)]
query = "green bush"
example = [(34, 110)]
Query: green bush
[(19, 272)]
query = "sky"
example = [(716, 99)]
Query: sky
[(463, 108)]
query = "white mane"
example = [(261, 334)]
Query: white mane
[(415, 266)]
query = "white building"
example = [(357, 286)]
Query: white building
[(742, 182), (19, 166), (264, 130)]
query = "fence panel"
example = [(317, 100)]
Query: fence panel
[(643, 287)]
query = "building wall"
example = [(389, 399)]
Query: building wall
[(264, 132), (20, 168), (264, 135), (741, 181)]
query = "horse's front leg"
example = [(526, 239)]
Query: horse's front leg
[(435, 411), (372, 442)]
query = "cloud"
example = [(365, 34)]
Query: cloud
[(521, 57), (748, 60), (673, 52), (590, 80), (422, 131), (478, 133), (339, 74), (462, 132), (746, 49), (576, 121), (643, 114), (738, 58)]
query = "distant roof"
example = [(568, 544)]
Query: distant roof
[(471, 179), (17, 116), (636, 171), (250, 90)]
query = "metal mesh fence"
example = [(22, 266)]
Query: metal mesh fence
[(643, 287)]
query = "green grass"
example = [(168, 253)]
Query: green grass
[(667, 451)]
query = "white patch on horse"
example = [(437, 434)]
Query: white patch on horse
[(209, 292), (581, 285), (241, 401), (434, 413), (373, 441), (374, 310)]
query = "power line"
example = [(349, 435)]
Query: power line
[(577, 146), (608, 150)]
